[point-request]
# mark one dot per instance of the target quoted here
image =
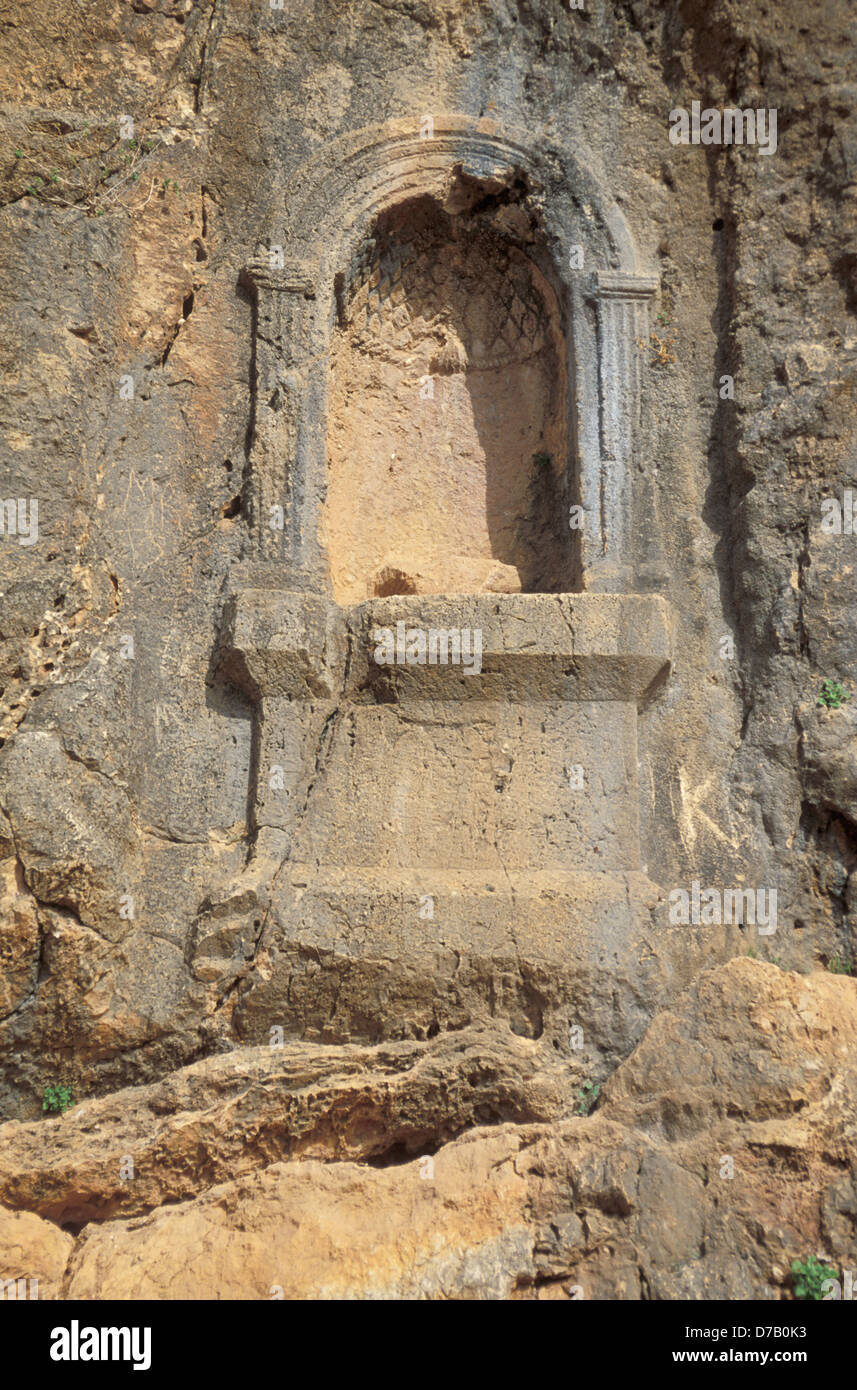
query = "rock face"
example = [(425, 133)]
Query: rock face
[(419, 563), (721, 1150)]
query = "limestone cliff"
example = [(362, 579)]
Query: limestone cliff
[(332, 316)]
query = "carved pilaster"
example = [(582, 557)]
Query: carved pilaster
[(622, 316), (286, 330)]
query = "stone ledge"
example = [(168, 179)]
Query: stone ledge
[(348, 956), (549, 915), (283, 643), (533, 646)]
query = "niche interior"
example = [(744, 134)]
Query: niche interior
[(447, 439)]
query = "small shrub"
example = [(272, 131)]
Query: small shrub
[(841, 965), (587, 1096), (832, 695), (662, 350), (58, 1098), (808, 1277)]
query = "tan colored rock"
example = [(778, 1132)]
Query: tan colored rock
[(450, 342), (747, 1041), (34, 1250), (509, 255), (238, 1112), (310, 1230), (19, 938), (753, 1065), (125, 261)]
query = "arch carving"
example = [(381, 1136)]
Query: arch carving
[(571, 230)]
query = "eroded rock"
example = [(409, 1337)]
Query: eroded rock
[(721, 1150)]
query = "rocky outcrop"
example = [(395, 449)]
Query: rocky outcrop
[(33, 1255), (241, 1111), (721, 1150), (323, 316)]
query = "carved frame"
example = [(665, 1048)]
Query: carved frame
[(331, 206)]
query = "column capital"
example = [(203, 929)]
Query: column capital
[(293, 277), (622, 284)]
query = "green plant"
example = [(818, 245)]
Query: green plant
[(841, 965), (808, 1277), (587, 1096), (665, 315), (751, 954), (832, 694), (540, 460), (59, 1097)]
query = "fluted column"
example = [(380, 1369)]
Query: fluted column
[(622, 323), (288, 424)]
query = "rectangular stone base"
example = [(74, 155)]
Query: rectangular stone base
[(358, 955), (553, 916)]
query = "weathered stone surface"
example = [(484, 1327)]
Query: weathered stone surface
[(828, 753), (219, 815), (19, 939), (246, 1109), (466, 323), (753, 1064), (315, 1231), (145, 540), (35, 1251), (73, 831), (428, 850)]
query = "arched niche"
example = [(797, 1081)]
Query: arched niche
[(594, 298), (448, 455)]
